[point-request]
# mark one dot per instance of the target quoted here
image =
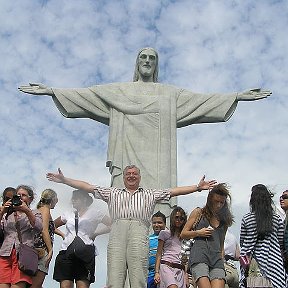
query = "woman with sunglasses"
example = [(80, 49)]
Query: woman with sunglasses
[(208, 226), (30, 222), (169, 272), (284, 206), (261, 237)]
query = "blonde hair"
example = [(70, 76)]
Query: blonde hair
[(47, 196)]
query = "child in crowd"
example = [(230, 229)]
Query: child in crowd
[(169, 272), (158, 224)]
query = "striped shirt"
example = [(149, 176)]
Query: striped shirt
[(267, 252), (138, 205), (286, 238)]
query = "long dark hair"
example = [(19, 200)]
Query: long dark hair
[(261, 204), (224, 214), (172, 219)]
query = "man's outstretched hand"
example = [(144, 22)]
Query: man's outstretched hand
[(56, 177), (206, 185)]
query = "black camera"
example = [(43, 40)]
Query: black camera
[(16, 200)]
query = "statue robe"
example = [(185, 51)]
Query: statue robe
[(143, 119)]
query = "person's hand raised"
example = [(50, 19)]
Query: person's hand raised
[(56, 177)]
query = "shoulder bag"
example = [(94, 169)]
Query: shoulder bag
[(1, 234), (255, 278), (78, 248), (27, 256)]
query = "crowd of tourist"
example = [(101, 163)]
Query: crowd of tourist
[(197, 250)]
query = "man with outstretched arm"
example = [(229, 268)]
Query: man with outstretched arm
[(131, 209)]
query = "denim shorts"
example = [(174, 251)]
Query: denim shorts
[(203, 270)]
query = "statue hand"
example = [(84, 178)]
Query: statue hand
[(253, 94), (36, 89)]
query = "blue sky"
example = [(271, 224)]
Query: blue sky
[(204, 46)]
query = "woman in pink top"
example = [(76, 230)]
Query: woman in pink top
[(169, 272)]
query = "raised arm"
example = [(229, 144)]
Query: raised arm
[(35, 218), (78, 184), (253, 94), (36, 89), (202, 185)]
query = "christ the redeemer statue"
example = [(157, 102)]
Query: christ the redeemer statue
[(143, 117)]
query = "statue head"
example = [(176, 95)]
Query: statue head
[(152, 53)]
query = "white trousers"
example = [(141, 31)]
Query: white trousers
[(128, 248)]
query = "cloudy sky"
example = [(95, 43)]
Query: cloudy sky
[(204, 46)]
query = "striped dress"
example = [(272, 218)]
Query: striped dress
[(267, 252)]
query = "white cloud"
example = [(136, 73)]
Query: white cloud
[(204, 46)]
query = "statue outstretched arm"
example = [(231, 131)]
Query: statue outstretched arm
[(253, 94), (36, 89)]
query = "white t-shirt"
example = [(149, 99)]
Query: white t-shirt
[(230, 244), (87, 224)]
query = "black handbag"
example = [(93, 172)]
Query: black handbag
[(78, 248)]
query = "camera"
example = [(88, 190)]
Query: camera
[(16, 200)]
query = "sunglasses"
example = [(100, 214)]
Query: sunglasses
[(284, 197), (181, 218)]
